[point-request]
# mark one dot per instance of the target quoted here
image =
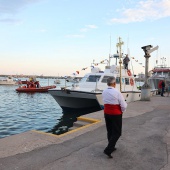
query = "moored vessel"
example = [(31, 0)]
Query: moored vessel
[(88, 92), (57, 81), (24, 89), (8, 81), (159, 73), (33, 86)]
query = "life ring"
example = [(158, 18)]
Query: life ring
[(129, 73), (131, 82)]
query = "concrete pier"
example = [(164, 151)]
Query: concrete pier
[(144, 144)]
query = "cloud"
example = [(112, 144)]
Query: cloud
[(9, 20), (8, 8), (91, 26), (75, 36), (88, 27), (144, 10)]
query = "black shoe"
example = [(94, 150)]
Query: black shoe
[(108, 154), (114, 149)]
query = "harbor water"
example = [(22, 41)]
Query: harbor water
[(20, 112)]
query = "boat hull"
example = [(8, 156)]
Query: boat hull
[(68, 99), (7, 83), (34, 90)]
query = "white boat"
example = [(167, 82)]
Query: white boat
[(72, 79), (57, 81), (8, 81), (88, 92)]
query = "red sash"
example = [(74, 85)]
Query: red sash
[(112, 109)]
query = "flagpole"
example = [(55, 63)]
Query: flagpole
[(110, 51)]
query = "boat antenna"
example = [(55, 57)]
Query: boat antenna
[(110, 51), (119, 46), (156, 62), (131, 61)]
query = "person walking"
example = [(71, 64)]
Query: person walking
[(126, 61), (114, 106), (163, 88), (168, 89)]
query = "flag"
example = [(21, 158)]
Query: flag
[(84, 68)]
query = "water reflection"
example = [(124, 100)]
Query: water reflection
[(21, 112), (67, 120)]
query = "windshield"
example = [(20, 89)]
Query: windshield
[(104, 80), (93, 78)]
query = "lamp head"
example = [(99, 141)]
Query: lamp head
[(146, 49)]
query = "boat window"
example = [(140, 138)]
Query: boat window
[(104, 80), (93, 78), (123, 80), (127, 81), (166, 74), (117, 80)]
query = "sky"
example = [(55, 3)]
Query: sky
[(60, 37)]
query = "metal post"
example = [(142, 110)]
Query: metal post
[(145, 89), (119, 45)]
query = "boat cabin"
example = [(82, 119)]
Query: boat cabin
[(97, 79)]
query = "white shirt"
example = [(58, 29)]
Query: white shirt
[(113, 96)]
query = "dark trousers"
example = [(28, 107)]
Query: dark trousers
[(162, 92), (126, 66), (114, 131)]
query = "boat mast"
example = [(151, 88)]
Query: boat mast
[(119, 46)]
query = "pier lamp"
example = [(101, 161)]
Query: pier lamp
[(145, 90)]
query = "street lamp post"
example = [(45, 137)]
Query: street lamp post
[(145, 90)]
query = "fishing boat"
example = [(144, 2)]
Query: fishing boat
[(159, 73), (88, 92), (8, 81)]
